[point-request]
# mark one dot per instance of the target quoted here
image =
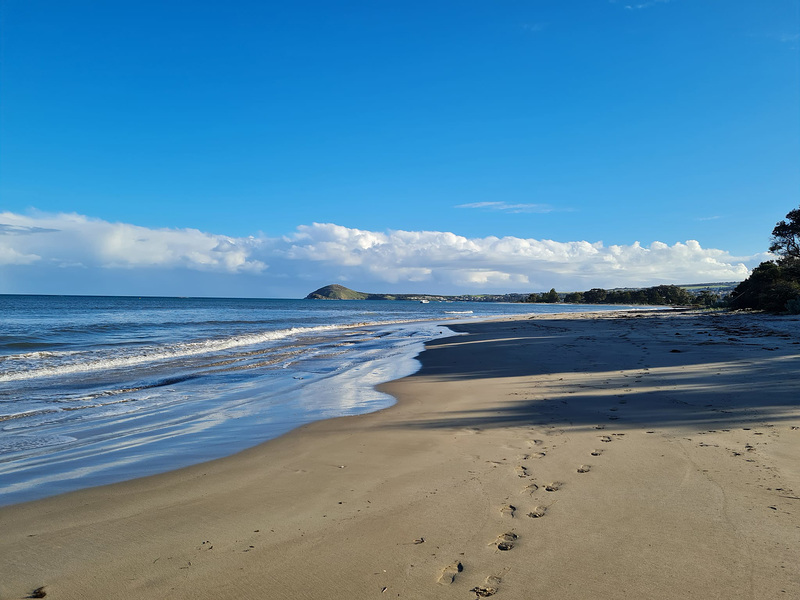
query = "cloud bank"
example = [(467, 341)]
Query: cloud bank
[(71, 240), (63, 247)]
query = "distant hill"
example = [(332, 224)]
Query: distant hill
[(339, 292), (336, 292)]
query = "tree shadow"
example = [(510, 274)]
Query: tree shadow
[(648, 371)]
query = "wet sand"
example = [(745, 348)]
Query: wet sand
[(624, 455)]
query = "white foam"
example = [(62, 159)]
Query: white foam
[(155, 354)]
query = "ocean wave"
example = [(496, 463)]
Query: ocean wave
[(25, 414), (24, 345), (147, 324), (41, 354), (156, 354)]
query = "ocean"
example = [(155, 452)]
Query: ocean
[(95, 390)]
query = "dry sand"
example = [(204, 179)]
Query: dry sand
[(640, 455)]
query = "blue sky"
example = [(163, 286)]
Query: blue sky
[(560, 126)]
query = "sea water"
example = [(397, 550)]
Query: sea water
[(95, 390)]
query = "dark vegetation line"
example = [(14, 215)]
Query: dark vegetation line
[(669, 295), (703, 295)]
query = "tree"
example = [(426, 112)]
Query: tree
[(594, 296), (785, 240), (769, 287), (551, 296), (574, 298), (706, 298), (775, 286)]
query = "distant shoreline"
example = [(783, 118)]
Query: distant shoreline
[(670, 295)]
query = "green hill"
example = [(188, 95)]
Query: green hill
[(336, 292)]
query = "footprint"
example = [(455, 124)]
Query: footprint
[(508, 510), (449, 573), (471, 430), (596, 452), (537, 512), (535, 442), (605, 438), (553, 487), (489, 588), (538, 455), (521, 471), (531, 488), (584, 469), (505, 541)]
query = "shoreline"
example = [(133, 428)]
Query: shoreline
[(189, 414), (206, 426), (669, 442)]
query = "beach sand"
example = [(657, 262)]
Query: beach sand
[(604, 456)]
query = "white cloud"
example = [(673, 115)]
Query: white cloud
[(647, 4), (445, 259), (507, 207), (11, 256), (534, 27), (54, 246), (71, 239)]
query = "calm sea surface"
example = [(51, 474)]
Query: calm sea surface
[(95, 390)]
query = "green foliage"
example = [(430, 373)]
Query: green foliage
[(785, 240), (594, 296), (770, 287), (662, 295), (775, 286), (707, 298), (551, 296)]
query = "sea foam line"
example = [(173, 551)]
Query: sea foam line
[(184, 350)]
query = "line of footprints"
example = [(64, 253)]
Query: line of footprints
[(505, 541)]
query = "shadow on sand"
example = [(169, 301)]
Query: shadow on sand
[(641, 370)]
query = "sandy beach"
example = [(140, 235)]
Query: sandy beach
[(605, 456)]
